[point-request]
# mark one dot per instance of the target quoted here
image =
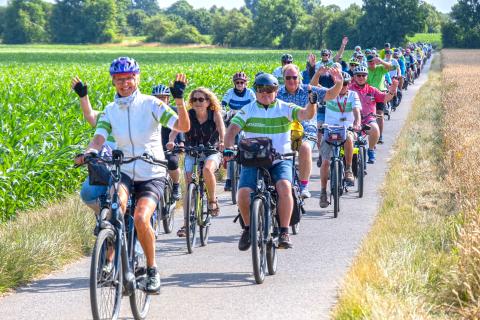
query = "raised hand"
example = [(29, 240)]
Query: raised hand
[(336, 75), (178, 87), (79, 87), (312, 59), (344, 41)]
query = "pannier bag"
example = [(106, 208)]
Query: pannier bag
[(256, 152), (336, 134)]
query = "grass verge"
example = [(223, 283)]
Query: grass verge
[(400, 268), (38, 242)]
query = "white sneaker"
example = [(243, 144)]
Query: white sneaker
[(305, 193)]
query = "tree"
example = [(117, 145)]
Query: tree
[(464, 28), (150, 7), (233, 29), (429, 18), (2, 18), (81, 21), (252, 6), (344, 23), (99, 17), (158, 27), (137, 20), (180, 8), (26, 21), (310, 5), (275, 22), (201, 19), (375, 25), (185, 35)]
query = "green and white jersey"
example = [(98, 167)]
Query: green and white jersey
[(272, 122), (110, 139)]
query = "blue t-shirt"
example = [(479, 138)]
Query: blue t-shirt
[(300, 98)]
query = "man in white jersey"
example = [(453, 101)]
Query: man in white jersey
[(344, 110), (269, 117), (134, 120)]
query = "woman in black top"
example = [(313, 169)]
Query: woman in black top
[(207, 128)]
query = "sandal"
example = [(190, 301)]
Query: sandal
[(213, 208), (182, 232)]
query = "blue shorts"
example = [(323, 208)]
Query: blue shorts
[(280, 171), (90, 194)]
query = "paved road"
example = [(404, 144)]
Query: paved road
[(216, 282)]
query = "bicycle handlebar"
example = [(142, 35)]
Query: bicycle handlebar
[(117, 158)]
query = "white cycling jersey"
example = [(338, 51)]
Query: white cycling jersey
[(135, 122)]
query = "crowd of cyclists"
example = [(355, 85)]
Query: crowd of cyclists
[(335, 91)]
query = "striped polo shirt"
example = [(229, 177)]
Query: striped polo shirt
[(272, 122)]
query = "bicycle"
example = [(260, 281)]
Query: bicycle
[(125, 273), (165, 211), (298, 200), (197, 200), (359, 163), (336, 137)]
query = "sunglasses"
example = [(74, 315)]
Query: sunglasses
[(239, 82), (325, 55), (266, 89), (361, 75), (291, 77), (194, 99)]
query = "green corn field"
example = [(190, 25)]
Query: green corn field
[(42, 124)]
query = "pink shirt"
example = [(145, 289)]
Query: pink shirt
[(369, 96)]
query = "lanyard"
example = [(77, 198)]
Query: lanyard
[(342, 109)]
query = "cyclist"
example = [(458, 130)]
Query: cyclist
[(401, 63), (369, 97), (351, 65), (90, 194), (232, 101), (133, 119), (343, 110), (286, 59), (326, 61), (269, 117), (377, 68), (411, 64), (169, 139), (295, 92), (207, 129)]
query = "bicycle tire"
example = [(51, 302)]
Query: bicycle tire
[(272, 258), (205, 223), (100, 279), (191, 217), (234, 181), (168, 215), (360, 172), (335, 185), (257, 223), (139, 299)]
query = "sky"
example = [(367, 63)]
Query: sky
[(441, 5)]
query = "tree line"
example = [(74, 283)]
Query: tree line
[(302, 24)]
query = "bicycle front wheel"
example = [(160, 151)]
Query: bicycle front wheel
[(335, 181), (360, 172), (205, 223), (139, 300), (105, 279), (257, 225), (191, 217), (235, 181)]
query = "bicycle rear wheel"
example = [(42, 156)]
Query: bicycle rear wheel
[(360, 172), (335, 181), (105, 279), (139, 300), (191, 217), (169, 209), (257, 224)]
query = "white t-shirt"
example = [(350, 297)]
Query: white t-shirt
[(393, 73), (339, 111)]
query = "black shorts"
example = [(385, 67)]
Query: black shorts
[(172, 159), (152, 189), (380, 106)]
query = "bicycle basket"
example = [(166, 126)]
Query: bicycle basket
[(98, 174), (296, 135), (336, 134), (256, 152)]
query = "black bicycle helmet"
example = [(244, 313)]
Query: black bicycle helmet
[(287, 58), (265, 79)]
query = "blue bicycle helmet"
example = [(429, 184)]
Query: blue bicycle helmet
[(160, 90), (124, 65)]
